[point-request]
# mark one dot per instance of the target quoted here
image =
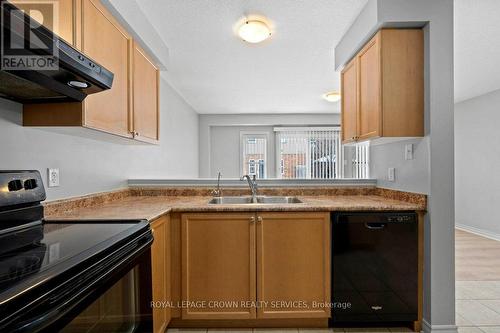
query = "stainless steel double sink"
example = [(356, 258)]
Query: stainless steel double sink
[(247, 200)]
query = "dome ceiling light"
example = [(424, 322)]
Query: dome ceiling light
[(332, 96), (254, 31)]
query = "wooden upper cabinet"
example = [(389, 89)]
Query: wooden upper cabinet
[(130, 108), (145, 95), (293, 265), (402, 54), (349, 83), (68, 21), (105, 41), (369, 117), (218, 265), (64, 27), (160, 266), (389, 91)]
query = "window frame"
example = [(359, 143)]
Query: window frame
[(257, 134)]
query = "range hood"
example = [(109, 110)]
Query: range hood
[(62, 74)]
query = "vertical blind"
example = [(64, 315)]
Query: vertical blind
[(308, 153), (361, 162)]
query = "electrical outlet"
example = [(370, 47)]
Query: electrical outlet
[(391, 174), (53, 177), (409, 151)]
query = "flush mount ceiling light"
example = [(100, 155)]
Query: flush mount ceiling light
[(254, 31), (332, 96)]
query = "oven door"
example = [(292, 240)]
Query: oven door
[(120, 305)]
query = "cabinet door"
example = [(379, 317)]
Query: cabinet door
[(105, 41), (370, 101), (218, 266), (145, 95), (64, 26), (293, 265), (159, 271), (349, 112)]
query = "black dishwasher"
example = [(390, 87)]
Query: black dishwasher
[(374, 267)]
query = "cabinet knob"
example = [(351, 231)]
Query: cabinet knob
[(259, 219), (252, 219)]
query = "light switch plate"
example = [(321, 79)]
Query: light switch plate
[(409, 151), (53, 177), (391, 174)]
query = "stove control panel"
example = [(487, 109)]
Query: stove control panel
[(20, 187)]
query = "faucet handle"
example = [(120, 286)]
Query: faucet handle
[(217, 191)]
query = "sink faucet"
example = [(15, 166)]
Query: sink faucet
[(252, 183), (217, 192)]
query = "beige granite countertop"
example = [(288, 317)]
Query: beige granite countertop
[(152, 207)]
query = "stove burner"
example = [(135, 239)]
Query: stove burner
[(14, 267)]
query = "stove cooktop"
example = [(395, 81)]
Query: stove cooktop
[(49, 269), (25, 255)]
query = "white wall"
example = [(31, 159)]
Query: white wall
[(225, 153), (411, 175), (89, 165), (219, 154), (477, 161)]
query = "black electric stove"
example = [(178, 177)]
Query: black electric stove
[(51, 274)]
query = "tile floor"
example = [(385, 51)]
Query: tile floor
[(292, 330), (477, 292), (477, 283)]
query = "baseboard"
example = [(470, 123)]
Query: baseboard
[(478, 231), (428, 328)]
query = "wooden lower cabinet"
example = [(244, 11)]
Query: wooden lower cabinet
[(254, 266), (293, 265), (218, 266), (160, 266)]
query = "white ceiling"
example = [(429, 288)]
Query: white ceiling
[(477, 47), (216, 72)]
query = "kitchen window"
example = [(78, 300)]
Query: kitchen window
[(309, 152), (302, 153), (254, 154)]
